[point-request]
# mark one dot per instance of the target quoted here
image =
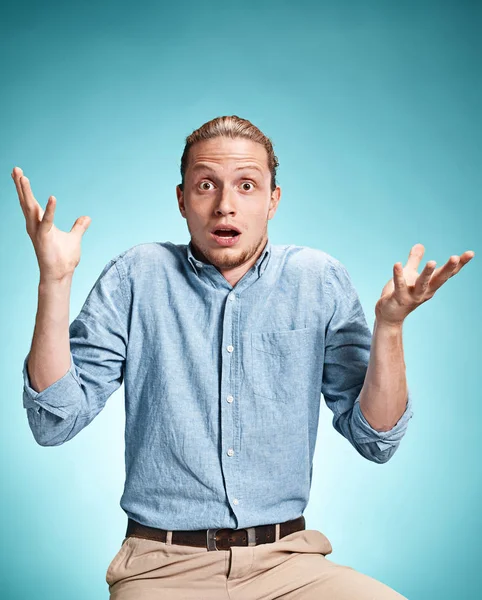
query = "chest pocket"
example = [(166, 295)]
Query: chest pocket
[(278, 363)]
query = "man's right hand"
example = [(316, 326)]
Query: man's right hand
[(58, 252)]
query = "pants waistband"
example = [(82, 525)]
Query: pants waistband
[(217, 539)]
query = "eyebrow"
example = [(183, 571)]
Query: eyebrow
[(199, 166)]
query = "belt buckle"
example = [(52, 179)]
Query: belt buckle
[(211, 537)]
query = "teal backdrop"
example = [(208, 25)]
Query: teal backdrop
[(374, 111)]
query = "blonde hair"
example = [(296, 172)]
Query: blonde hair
[(231, 127)]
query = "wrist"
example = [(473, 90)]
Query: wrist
[(391, 326), (47, 283)]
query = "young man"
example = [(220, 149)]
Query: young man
[(224, 346)]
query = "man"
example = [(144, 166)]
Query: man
[(224, 346)]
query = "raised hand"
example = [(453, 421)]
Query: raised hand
[(58, 252), (408, 289)]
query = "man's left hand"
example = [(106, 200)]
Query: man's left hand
[(408, 289)]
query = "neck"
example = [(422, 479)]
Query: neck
[(232, 274)]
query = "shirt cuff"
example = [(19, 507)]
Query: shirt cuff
[(58, 397), (365, 433)]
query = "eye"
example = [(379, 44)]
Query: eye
[(202, 183), (247, 183)]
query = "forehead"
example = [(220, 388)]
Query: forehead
[(222, 153)]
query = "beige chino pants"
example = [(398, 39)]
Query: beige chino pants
[(294, 567)]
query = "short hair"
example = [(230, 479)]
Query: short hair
[(231, 127)]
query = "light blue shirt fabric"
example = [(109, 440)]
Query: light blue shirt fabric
[(222, 384)]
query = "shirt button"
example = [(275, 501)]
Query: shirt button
[(230, 398), (235, 501), (199, 264), (230, 348), (230, 452), (231, 296)]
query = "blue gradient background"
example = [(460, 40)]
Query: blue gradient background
[(374, 111)]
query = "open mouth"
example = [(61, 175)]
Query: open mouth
[(226, 232), (225, 237)]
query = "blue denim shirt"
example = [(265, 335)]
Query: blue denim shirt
[(222, 384)]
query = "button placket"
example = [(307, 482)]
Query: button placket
[(229, 420)]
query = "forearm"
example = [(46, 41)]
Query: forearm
[(49, 356), (383, 398)]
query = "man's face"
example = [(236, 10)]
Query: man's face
[(227, 183)]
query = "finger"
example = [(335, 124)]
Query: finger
[(48, 218), (443, 273), (415, 256), (399, 282), (423, 280), (81, 225), (33, 208), (16, 174), (467, 256)]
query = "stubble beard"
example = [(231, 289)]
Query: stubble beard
[(229, 259)]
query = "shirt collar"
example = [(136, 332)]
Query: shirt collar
[(260, 265)]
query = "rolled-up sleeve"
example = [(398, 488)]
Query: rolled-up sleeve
[(347, 354), (98, 345)]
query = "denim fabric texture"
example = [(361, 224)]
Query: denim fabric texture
[(222, 384)]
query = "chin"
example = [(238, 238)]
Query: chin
[(228, 257)]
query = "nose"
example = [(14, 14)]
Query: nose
[(226, 202)]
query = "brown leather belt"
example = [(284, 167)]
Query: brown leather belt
[(217, 539)]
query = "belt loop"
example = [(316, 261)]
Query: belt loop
[(169, 537), (276, 535), (251, 531)]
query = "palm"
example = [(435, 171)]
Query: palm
[(58, 252), (408, 288), (60, 249)]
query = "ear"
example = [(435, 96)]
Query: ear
[(180, 201), (273, 205)]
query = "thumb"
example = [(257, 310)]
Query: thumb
[(81, 225)]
